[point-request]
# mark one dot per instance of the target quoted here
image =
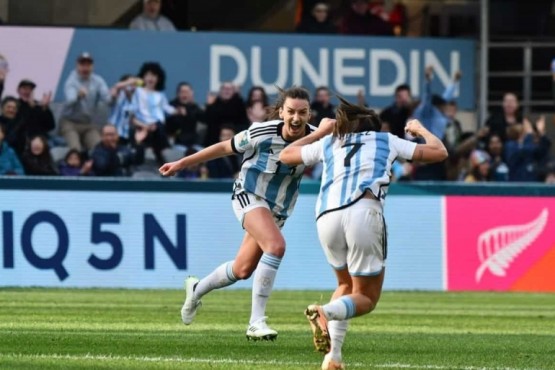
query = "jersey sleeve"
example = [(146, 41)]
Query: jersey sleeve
[(242, 142), (312, 153), (405, 149)]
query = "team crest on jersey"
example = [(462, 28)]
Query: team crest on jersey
[(244, 139)]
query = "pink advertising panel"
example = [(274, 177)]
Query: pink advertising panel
[(500, 243)]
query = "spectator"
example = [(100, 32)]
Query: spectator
[(359, 21), (225, 167), (432, 113), (84, 90), (33, 118), (396, 115), (194, 172), (150, 106), (550, 174), (151, 19), (37, 159), (229, 108), (256, 112), (321, 107), (318, 21), (257, 94), (3, 73), (9, 163), (8, 114), (509, 116), (122, 97), (72, 165), (111, 159), (479, 167), (499, 169), (397, 16), (525, 149), (184, 127)]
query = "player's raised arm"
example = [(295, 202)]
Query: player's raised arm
[(433, 150), (291, 155), (217, 150)]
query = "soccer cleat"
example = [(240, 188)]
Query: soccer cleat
[(330, 364), (189, 309), (319, 324), (259, 330)]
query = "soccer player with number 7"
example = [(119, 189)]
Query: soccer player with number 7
[(357, 161)]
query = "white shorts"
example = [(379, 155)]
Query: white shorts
[(355, 238), (244, 202)]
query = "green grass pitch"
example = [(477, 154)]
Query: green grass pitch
[(142, 329)]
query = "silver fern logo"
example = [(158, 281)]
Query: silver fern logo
[(498, 247)]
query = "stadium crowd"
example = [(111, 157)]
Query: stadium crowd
[(144, 128)]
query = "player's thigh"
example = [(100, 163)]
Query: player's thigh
[(332, 239), (366, 239), (369, 286), (261, 225)]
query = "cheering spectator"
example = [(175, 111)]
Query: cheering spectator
[(151, 19), (509, 116), (111, 159), (499, 169), (72, 165), (9, 163), (229, 108), (526, 149), (84, 90), (150, 106), (184, 127), (318, 21), (37, 159), (224, 167), (33, 118), (122, 97), (321, 107), (359, 21), (396, 115)]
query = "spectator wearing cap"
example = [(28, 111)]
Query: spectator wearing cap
[(151, 19), (33, 118), (84, 91), (359, 21), (479, 166)]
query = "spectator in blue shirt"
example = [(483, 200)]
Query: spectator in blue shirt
[(9, 163)]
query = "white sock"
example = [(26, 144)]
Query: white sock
[(262, 285), (338, 330), (221, 277), (342, 308)]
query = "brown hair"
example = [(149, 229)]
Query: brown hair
[(354, 118), (294, 92)]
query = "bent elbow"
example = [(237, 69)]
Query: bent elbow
[(444, 154)]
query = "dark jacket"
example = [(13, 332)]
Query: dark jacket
[(320, 112), (42, 165), (222, 112), (397, 118), (368, 24), (29, 122), (311, 25), (185, 127)]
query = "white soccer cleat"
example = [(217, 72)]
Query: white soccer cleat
[(319, 324), (331, 364), (189, 309), (259, 330)]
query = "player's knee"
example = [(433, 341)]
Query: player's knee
[(275, 247)]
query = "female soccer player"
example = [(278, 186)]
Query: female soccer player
[(357, 162), (263, 197)]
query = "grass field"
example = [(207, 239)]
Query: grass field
[(130, 329)]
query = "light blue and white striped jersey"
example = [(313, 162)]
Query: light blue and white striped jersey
[(121, 114), (262, 173), (150, 106), (353, 165)]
